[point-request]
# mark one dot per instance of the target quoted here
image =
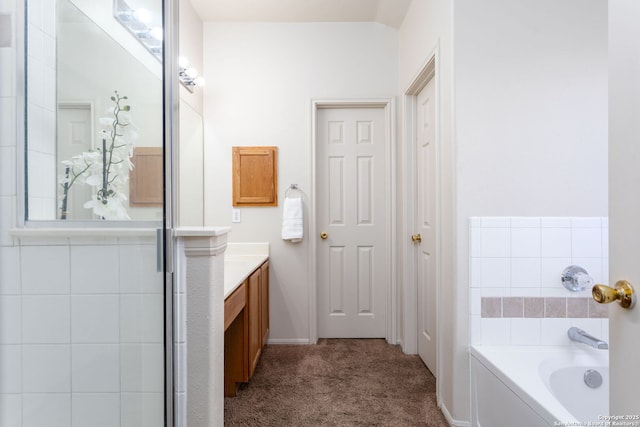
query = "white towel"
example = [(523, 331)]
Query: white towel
[(292, 219)]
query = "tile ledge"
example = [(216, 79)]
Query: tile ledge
[(201, 231), (83, 232)]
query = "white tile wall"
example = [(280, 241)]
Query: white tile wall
[(95, 368), (95, 270), (10, 289), (556, 242), (142, 409), (95, 318), (142, 367), (525, 256), (46, 368), (137, 318), (50, 409), (138, 270), (45, 269), (95, 409), (525, 331), (11, 369), (525, 272), (46, 319), (8, 165), (554, 331), (7, 218), (7, 119), (10, 410), (10, 319), (62, 357)]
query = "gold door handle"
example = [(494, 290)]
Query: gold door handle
[(622, 292), (324, 235), (416, 238)]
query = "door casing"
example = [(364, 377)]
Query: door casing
[(409, 336), (388, 105)]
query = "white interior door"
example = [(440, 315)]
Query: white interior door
[(351, 210), (624, 203), (74, 137), (425, 226)]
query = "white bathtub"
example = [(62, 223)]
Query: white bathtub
[(537, 386)]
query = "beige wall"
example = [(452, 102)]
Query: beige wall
[(261, 79), (191, 47), (191, 137)]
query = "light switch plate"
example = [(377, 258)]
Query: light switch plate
[(235, 215)]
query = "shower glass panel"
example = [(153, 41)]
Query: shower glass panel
[(88, 341), (94, 109)]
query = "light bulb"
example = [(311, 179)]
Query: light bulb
[(192, 72), (156, 33), (143, 15), (199, 81)]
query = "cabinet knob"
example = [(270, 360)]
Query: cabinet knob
[(324, 235), (416, 238)]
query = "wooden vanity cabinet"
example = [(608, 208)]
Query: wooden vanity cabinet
[(246, 313), (255, 333), (264, 299), (258, 303), (236, 362)]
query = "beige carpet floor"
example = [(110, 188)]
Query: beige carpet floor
[(338, 382)]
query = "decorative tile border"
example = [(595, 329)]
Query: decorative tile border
[(542, 307)]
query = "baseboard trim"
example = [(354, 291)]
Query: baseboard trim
[(450, 420), (300, 341)]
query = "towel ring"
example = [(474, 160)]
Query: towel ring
[(292, 187)]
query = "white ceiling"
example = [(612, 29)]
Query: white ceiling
[(388, 12)]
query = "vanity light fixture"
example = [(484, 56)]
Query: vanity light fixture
[(137, 22), (188, 75)]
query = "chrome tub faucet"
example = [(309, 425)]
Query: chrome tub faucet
[(578, 335)]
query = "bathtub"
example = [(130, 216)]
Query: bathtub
[(537, 386)]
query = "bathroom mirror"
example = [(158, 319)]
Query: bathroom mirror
[(191, 168), (94, 93)]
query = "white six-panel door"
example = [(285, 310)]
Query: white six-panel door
[(425, 223), (351, 210), (624, 205), (75, 133)]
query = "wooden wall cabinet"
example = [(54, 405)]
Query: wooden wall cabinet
[(255, 176), (146, 180)]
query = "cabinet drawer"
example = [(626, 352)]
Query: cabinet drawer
[(234, 304)]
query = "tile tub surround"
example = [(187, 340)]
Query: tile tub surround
[(81, 351), (516, 296)]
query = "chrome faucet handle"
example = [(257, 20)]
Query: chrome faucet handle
[(576, 278)]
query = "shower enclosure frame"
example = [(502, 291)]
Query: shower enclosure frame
[(167, 242)]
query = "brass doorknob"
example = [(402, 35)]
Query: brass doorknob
[(416, 238), (324, 235), (622, 292)]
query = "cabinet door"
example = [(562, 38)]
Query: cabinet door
[(264, 301), (255, 334)]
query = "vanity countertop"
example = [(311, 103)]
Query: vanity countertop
[(240, 260)]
